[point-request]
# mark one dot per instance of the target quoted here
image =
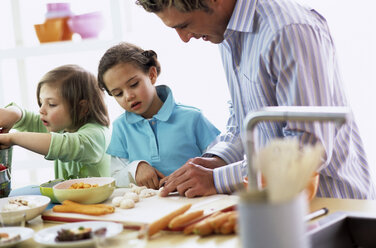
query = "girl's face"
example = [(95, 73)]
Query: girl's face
[(133, 89), (54, 111)]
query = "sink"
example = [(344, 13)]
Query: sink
[(343, 230)]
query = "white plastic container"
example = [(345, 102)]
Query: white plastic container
[(263, 224)]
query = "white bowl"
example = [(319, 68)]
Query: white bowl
[(106, 185), (39, 203)]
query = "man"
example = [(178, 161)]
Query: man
[(275, 53)]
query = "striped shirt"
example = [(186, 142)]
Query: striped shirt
[(280, 53)]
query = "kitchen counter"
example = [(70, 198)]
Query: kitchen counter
[(169, 239)]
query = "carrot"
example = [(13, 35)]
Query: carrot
[(233, 218), (109, 208), (189, 229), (227, 227), (81, 209), (219, 220), (203, 227), (184, 219), (162, 223)]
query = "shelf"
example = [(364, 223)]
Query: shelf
[(56, 48)]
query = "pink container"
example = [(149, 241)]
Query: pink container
[(87, 25)]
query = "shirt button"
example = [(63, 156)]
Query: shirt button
[(153, 122)]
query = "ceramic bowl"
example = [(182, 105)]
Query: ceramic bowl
[(50, 31), (92, 195), (46, 189), (87, 25), (38, 204)]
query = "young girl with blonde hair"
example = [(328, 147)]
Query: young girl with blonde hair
[(71, 127)]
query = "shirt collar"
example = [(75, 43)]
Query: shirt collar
[(243, 16), (164, 92)]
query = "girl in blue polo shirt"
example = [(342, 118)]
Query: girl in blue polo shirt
[(155, 135)]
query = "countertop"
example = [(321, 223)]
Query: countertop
[(170, 239)]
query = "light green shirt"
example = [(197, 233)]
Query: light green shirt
[(82, 153)]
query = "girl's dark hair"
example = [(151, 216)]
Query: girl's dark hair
[(124, 53), (77, 84), (156, 6)]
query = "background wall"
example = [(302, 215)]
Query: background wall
[(193, 70)]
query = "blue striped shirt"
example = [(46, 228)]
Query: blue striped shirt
[(280, 53)]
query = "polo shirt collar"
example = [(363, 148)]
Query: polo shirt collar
[(243, 16), (164, 92)]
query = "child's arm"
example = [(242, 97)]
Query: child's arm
[(123, 171), (126, 172), (8, 117), (36, 142)]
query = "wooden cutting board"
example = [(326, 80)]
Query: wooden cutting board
[(149, 209)]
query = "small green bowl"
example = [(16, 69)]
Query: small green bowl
[(46, 189)]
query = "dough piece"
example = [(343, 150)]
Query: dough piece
[(132, 195), (148, 193), (160, 190), (136, 189), (127, 203), (116, 201)]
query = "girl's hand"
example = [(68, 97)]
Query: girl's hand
[(148, 176), (8, 117)]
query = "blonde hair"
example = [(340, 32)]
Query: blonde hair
[(77, 84)]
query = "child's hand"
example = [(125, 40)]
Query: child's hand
[(5, 140), (148, 176), (8, 117)]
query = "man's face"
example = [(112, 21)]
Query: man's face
[(210, 26)]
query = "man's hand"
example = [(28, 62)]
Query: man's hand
[(190, 180), (148, 176), (210, 163)]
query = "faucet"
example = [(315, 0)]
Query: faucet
[(285, 113)]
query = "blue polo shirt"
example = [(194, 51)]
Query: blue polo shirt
[(166, 141)]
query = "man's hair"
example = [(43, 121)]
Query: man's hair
[(156, 6)]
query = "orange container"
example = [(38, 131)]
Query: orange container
[(50, 31), (67, 33)]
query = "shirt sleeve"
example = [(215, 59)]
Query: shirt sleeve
[(229, 145), (29, 122), (123, 171), (229, 178), (87, 145)]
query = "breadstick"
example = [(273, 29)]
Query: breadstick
[(73, 207), (184, 219), (162, 223)]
